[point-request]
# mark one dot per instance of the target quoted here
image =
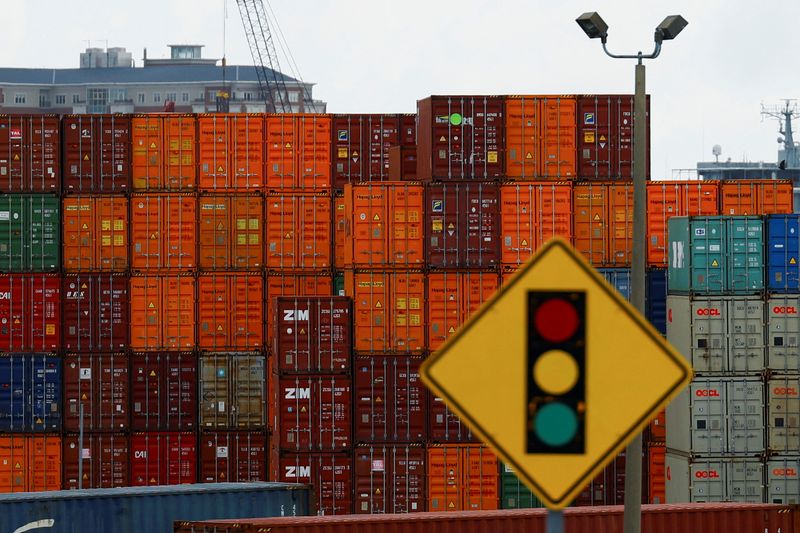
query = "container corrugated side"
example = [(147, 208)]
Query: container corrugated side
[(30, 392), (30, 233), (97, 153), (30, 153), (95, 233), (164, 152)]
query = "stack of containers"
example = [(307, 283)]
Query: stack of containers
[(94, 293), (162, 294), (30, 303)]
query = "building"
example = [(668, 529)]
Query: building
[(107, 81)]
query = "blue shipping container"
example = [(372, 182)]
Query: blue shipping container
[(656, 308), (619, 278), (783, 253), (148, 509), (30, 392)]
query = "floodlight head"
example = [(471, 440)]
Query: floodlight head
[(593, 25), (670, 27)]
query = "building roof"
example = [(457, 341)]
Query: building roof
[(141, 75)]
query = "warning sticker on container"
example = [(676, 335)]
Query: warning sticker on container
[(588, 136), (377, 465), (437, 226), (50, 329), (491, 157), (342, 153)]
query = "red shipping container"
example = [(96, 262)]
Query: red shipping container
[(233, 457), (230, 232), (403, 163), (312, 413), (105, 457), (95, 312), (30, 463), (605, 136), (163, 231), (230, 311), (313, 334), (162, 312), (95, 233), (163, 391), (231, 152), (452, 298), (331, 475), (164, 153), (299, 231), (389, 479), (163, 459), (462, 477), (30, 312), (97, 153), (389, 403), (361, 147), (99, 384), (30, 153), (280, 283), (463, 220), (460, 137), (298, 151), (532, 213), (604, 222), (444, 426)]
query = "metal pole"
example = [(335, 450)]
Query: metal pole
[(633, 453), (80, 446), (555, 522)]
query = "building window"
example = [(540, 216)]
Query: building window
[(76, 99), (140, 98), (97, 100), (172, 97), (61, 99), (119, 95), (202, 97), (19, 98), (157, 98), (248, 96), (294, 97), (185, 97)]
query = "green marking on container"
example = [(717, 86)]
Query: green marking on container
[(455, 119)]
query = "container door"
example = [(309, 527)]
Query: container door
[(783, 332), (708, 406), (745, 243), (746, 335)]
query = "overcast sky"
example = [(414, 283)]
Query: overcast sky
[(382, 55)]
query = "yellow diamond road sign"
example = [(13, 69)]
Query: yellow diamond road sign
[(609, 374)]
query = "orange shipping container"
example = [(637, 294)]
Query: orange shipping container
[(541, 136), (30, 463), (163, 231), (230, 311), (164, 152), (604, 222), (162, 312), (532, 213), (339, 230), (656, 475), (389, 311), (452, 298), (95, 233), (384, 225), (298, 151), (462, 477), (231, 232), (231, 152), (666, 199), (756, 197), (299, 231), (294, 284)]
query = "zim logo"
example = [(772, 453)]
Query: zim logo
[(297, 471), (297, 393), (588, 119), (292, 315), (437, 206)]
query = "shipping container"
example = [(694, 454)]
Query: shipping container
[(168, 458), (96, 392), (231, 152), (513, 493), (95, 233), (667, 199), (298, 151), (657, 429), (532, 213), (783, 412), (163, 391), (702, 480), (329, 474), (460, 137), (783, 332), (30, 153), (444, 426), (783, 480), (105, 458), (97, 153), (605, 136), (282, 283), (30, 312), (608, 488), (163, 231), (756, 197), (361, 147), (463, 223), (233, 456), (339, 230), (656, 305), (389, 479), (30, 392), (30, 463), (540, 136), (95, 311), (656, 474), (231, 232), (783, 253), (603, 225), (388, 311), (389, 400), (452, 297), (619, 278), (299, 231), (313, 334), (462, 477), (232, 391), (403, 163), (30, 233), (162, 313), (164, 152), (311, 413), (230, 311), (384, 225)]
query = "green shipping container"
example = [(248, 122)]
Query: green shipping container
[(338, 284), (745, 242), (513, 492), (30, 233)]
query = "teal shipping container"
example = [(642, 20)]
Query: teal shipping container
[(513, 492), (30, 233)]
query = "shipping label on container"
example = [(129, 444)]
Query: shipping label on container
[(389, 479), (97, 153), (164, 152), (462, 478), (163, 459), (299, 233), (230, 311), (231, 232), (96, 385), (232, 391), (30, 312), (95, 312), (231, 149), (460, 137), (105, 458), (30, 233), (32, 392), (281, 283), (233, 457), (452, 298), (163, 231), (95, 233), (298, 151), (163, 391), (389, 403), (30, 153), (361, 147), (30, 463), (331, 475), (162, 312)]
